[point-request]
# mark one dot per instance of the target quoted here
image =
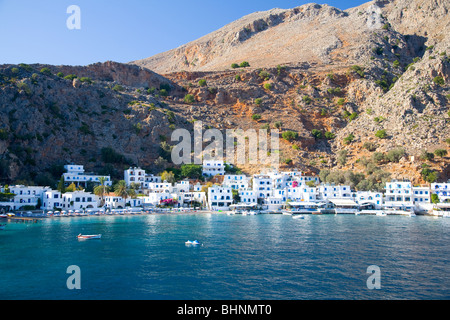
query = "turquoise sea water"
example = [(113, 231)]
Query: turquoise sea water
[(270, 257)]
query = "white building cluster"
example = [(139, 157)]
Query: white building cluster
[(270, 190)]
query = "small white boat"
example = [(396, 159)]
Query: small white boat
[(91, 236), (381, 214), (298, 216), (230, 213), (252, 213), (193, 243), (287, 213)]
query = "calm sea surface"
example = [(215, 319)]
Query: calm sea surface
[(270, 257)]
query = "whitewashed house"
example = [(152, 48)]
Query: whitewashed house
[(303, 193), (160, 187), (187, 199), (138, 175), (248, 196), (421, 195), (399, 195), (422, 199), (75, 174), (369, 199), (274, 203), (213, 167), (155, 198), (27, 196), (79, 200), (114, 202), (52, 199), (331, 191), (182, 186), (219, 198), (305, 179), (235, 181), (442, 190), (262, 185)]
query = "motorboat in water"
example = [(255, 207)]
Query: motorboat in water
[(88, 237), (298, 216), (193, 243)]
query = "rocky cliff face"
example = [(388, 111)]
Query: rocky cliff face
[(48, 120), (314, 33), (338, 78)]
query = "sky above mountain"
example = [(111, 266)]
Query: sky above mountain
[(37, 31)]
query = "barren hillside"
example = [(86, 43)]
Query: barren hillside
[(366, 90)]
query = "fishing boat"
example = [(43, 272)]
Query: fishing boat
[(87, 237)]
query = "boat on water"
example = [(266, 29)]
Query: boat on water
[(192, 243), (381, 214), (88, 237), (252, 213), (305, 207), (298, 216), (287, 213)]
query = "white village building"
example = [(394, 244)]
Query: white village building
[(235, 181), (442, 190), (219, 198), (213, 167), (138, 175), (75, 174), (79, 200)]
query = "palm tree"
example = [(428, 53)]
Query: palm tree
[(121, 190), (101, 190)]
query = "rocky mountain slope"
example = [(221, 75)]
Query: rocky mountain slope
[(366, 89)]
